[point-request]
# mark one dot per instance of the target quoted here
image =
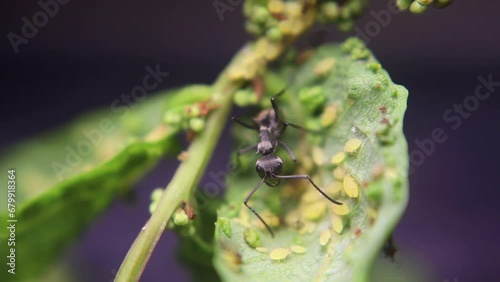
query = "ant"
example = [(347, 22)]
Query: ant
[(389, 249), (271, 126)]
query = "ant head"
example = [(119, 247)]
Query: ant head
[(268, 166)]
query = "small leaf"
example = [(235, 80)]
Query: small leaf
[(67, 177), (367, 172)]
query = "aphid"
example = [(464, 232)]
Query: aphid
[(279, 254), (189, 210), (325, 236), (231, 256), (271, 126)]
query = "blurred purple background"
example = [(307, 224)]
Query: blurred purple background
[(92, 51)]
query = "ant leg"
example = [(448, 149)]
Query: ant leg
[(288, 150), (254, 212), (242, 151), (286, 123), (254, 127), (247, 149), (303, 176)]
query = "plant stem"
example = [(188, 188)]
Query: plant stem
[(248, 63), (185, 179)]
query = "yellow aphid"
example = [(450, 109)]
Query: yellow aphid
[(293, 218), (318, 156), (286, 27), (298, 249), (244, 218), (298, 27), (329, 116), (340, 209), (233, 260), (261, 250), (315, 211), (308, 227), (236, 73), (324, 66), (290, 191), (271, 219), (351, 187), (156, 134), (307, 163), (276, 6), (377, 171), (337, 223), (352, 145), (273, 51), (262, 46), (338, 158), (310, 196), (371, 212), (325, 236), (293, 9), (391, 174), (183, 156), (279, 254), (335, 187), (339, 173)]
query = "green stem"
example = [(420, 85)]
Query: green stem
[(246, 65), (185, 179)]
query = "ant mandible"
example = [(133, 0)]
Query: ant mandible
[(271, 126)]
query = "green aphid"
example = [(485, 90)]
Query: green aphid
[(417, 8), (152, 207), (253, 28), (403, 4), (360, 54), (245, 97), (260, 14), (181, 218), (173, 118), (353, 43), (274, 34), (374, 67), (313, 98), (252, 237), (424, 2), (156, 194), (330, 10), (197, 124), (225, 226)]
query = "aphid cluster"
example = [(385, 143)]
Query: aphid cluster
[(271, 125)]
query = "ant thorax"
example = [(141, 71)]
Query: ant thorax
[(267, 142)]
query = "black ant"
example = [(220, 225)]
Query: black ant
[(389, 249), (271, 126)]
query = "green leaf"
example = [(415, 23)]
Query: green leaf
[(363, 106), (66, 178)]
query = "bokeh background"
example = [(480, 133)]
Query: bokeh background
[(92, 51)]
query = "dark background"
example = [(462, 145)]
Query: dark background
[(92, 51)]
